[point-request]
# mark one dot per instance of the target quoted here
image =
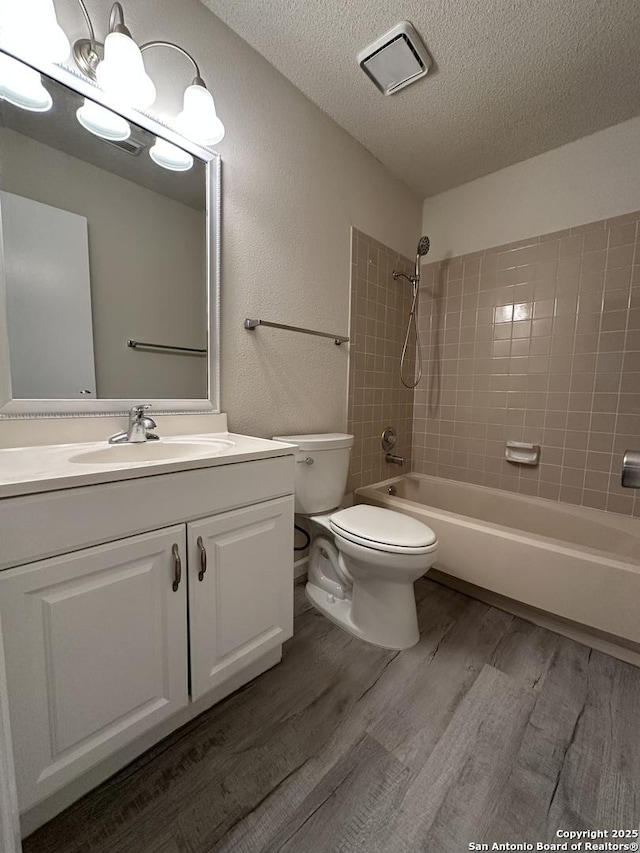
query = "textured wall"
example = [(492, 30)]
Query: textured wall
[(596, 177), (537, 341), (377, 399), (293, 184)]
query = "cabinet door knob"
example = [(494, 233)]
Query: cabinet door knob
[(203, 558), (177, 568)]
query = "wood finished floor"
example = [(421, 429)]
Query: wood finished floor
[(490, 729)]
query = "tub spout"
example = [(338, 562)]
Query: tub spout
[(394, 460)]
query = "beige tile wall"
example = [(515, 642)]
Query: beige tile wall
[(379, 311), (537, 341)]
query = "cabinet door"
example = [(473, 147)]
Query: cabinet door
[(242, 606), (96, 651)]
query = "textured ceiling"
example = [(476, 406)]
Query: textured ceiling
[(511, 78)]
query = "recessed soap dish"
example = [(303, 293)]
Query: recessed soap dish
[(521, 453)]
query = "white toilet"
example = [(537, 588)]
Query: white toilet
[(364, 559)]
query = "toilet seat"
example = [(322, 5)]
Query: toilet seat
[(383, 530)]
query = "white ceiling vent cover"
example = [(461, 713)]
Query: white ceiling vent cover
[(396, 59)]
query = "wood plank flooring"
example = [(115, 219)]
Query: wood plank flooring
[(490, 729)]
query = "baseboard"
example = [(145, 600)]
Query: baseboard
[(617, 647), (300, 567)]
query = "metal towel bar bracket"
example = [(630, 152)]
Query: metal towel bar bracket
[(136, 344), (250, 325)]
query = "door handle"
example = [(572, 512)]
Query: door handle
[(177, 568), (203, 558)]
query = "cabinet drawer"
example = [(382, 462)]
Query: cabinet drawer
[(37, 526)]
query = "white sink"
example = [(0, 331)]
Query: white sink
[(164, 450), (19, 463), (38, 468)]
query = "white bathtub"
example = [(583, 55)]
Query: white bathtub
[(580, 564)]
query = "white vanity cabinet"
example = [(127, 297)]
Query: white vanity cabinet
[(111, 646), (240, 590), (96, 653)]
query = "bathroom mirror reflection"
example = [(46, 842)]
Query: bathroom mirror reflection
[(105, 258)]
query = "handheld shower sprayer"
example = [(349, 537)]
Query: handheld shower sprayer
[(424, 244)]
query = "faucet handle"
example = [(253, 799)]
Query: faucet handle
[(136, 413), (139, 426), (139, 410)]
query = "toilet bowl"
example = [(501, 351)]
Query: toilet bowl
[(363, 560)]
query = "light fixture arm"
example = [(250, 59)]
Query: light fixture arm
[(87, 53), (116, 20), (198, 79), (87, 18), (85, 12)]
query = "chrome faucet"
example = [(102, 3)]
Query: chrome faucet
[(139, 426), (394, 460)]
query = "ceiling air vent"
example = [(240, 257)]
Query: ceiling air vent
[(131, 146), (396, 59)]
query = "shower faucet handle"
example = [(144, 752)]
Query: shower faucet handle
[(389, 438)]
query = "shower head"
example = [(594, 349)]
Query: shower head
[(424, 244)]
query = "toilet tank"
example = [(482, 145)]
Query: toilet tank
[(320, 483)]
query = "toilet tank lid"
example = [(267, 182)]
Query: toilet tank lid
[(318, 441)]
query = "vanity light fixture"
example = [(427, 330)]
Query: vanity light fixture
[(198, 119), (31, 28), (103, 122), (170, 157), (22, 86), (121, 73)]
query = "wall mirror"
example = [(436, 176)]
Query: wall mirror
[(109, 258)]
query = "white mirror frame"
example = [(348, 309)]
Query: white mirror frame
[(10, 408)]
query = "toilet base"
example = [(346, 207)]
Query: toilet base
[(339, 611)]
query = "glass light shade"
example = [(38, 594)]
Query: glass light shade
[(22, 86), (170, 156), (198, 120), (32, 29), (102, 122), (122, 75)]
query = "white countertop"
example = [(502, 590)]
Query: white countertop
[(44, 468)]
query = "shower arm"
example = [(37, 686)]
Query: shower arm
[(412, 279)]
